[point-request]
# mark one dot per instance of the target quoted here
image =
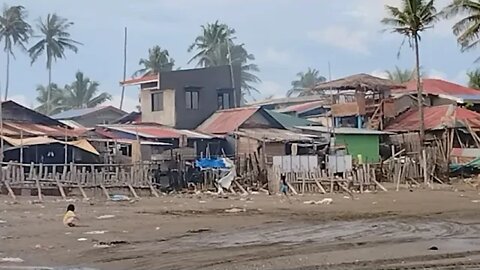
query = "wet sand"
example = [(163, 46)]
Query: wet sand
[(423, 229)]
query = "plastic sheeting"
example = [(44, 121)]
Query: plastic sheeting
[(211, 163)]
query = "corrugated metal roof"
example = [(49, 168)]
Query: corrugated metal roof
[(438, 117), (153, 131), (227, 121), (344, 130), (304, 107), (288, 121), (82, 112), (274, 135), (16, 129), (438, 87)]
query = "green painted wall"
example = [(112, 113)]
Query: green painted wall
[(366, 145)]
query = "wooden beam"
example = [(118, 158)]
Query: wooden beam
[(10, 191), (105, 191), (132, 190)]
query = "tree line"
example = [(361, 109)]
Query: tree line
[(411, 19)]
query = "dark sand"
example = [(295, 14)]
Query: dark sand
[(423, 229)]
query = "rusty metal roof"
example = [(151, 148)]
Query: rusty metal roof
[(438, 117), (274, 135), (17, 129), (227, 121)]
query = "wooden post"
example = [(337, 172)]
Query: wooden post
[(37, 182), (425, 170)]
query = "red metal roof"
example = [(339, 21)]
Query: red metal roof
[(143, 79), (437, 117), (438, 87), (227, 121), (303, 107)]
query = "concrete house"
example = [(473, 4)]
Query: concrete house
[(185, 98)]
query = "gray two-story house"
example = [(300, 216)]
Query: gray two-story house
[(185, 98)]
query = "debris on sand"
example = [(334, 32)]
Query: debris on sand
[(106, 217), (3, 221), (119, 198), (324, 201), (109, 244), (95, 232), (235, 210), (11, 260), (82, 239), (201, 230), (434, 248)]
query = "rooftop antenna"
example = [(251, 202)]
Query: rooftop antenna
[(124, 67)]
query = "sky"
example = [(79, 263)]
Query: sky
[(286, 37)]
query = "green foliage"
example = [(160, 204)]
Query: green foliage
[(474, 79), (467, 29), (212, 48), (306, 81), (158, 60)]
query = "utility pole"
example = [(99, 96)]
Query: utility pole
[(124, 67), (232, 79)]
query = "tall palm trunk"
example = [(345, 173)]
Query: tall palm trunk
[(7, 80), (49, 92), (419, 90)]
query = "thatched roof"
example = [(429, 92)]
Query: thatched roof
[(363, 81)]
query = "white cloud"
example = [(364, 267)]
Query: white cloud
[(271, 88), (436, 74), (129, 104), (277, 56), (342, 37), (379, 73), (22, 100)]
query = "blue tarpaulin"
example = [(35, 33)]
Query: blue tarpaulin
[(210, 163)]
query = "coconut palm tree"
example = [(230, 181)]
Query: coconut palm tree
[(403, 75), (158, 60), (411, 19), (215, 47), (306, 81), (474, 79), (52, 105), (83, 93), (467, 29), (14, 30), (54, 41)]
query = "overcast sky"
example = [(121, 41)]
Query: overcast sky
[(286, 37)]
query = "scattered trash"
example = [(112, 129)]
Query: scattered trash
[(119, 198), (106, 217), (374, 202), (109, 244), (95, 232), (12, 260), (474, 201), (201, 201), (38, 246), (157, 228), (346, 197), (235, 210), (324, 201), (199, 230), (3, 221), (82, 239), (67, 233), (433, 248)]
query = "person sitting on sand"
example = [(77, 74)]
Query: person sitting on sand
[(69, 218), (283, 184)]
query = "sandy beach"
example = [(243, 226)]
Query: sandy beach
[(419, 229)]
